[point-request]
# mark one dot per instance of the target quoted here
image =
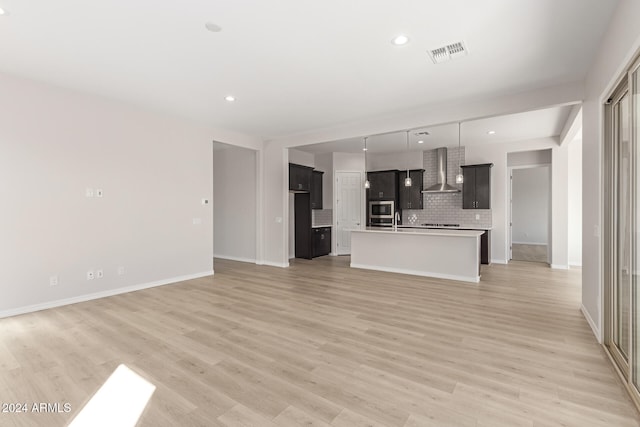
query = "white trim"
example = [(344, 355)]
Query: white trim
[(499, 261), (476, 279), (575, 266), (235, 258), (560, 266), (591, 323), (275, 264), (102, 294)]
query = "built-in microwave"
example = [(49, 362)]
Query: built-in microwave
[(381, 213), (381, 209)]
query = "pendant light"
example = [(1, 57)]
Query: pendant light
[(367, 184), (459, 177), (407, 180)]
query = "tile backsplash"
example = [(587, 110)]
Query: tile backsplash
[(445, 208), (321, 217)]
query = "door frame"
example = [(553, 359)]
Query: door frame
[(363, 213), (510, 208)]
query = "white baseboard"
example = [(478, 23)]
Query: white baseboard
[(560, 266), (235, 258), (102, 294), (591, 323), (476, 279), (575, 265), (274, 264), (499, 261)]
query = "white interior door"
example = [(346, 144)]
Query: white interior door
[(349, 208)]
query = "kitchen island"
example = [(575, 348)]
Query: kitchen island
[(445, 254)]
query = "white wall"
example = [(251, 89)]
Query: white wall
[(234, 203), (395, 160), (530, 205), (527, 158), (619, 46), (301, 158), (154, 171), (575, 203)]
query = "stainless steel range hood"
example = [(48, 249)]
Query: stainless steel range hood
[(441, 166)]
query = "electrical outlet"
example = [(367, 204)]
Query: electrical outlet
[(197, 221), (90, 275), (120, 271), (53, 281), (477, 217), (99, 274)]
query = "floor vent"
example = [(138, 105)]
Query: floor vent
[(448, 52)]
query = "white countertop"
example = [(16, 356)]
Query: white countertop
[(321, 226), (420, 231)]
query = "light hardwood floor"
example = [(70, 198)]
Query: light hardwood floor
[(533, 253), (325, 345)]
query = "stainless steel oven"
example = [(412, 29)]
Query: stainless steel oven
[(381, 213)]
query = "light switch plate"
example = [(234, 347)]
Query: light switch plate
[(53, 281), (99, 192), (88, 192)]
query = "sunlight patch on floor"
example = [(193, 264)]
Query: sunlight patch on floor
[(120, 401)]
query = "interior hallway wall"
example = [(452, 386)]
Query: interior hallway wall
[(575, 203), (530, 206), (234, 203), (620, 45)]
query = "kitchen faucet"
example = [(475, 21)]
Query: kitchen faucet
[(396, 220)]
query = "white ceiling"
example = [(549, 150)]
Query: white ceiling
[(298, 65), (513, 127)]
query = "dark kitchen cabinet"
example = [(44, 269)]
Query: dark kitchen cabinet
[(302, 220), (300, 178), (316, 189), (485, 248), (411, 197), (476, 189), (321, 241), (383, 185)]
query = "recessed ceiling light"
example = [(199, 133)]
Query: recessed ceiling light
[(229, 98), (365, 149), (214, 28), (421, 142), (491, 132), (400, 40)]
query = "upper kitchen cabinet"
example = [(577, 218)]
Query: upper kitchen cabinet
[(383, 185), (411, 197), (316, 189), (299, 178), (476, 189)]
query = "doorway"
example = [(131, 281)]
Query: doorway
[(349, 209), (530, 213)]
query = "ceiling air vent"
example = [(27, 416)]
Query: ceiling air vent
[(448, 52)]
